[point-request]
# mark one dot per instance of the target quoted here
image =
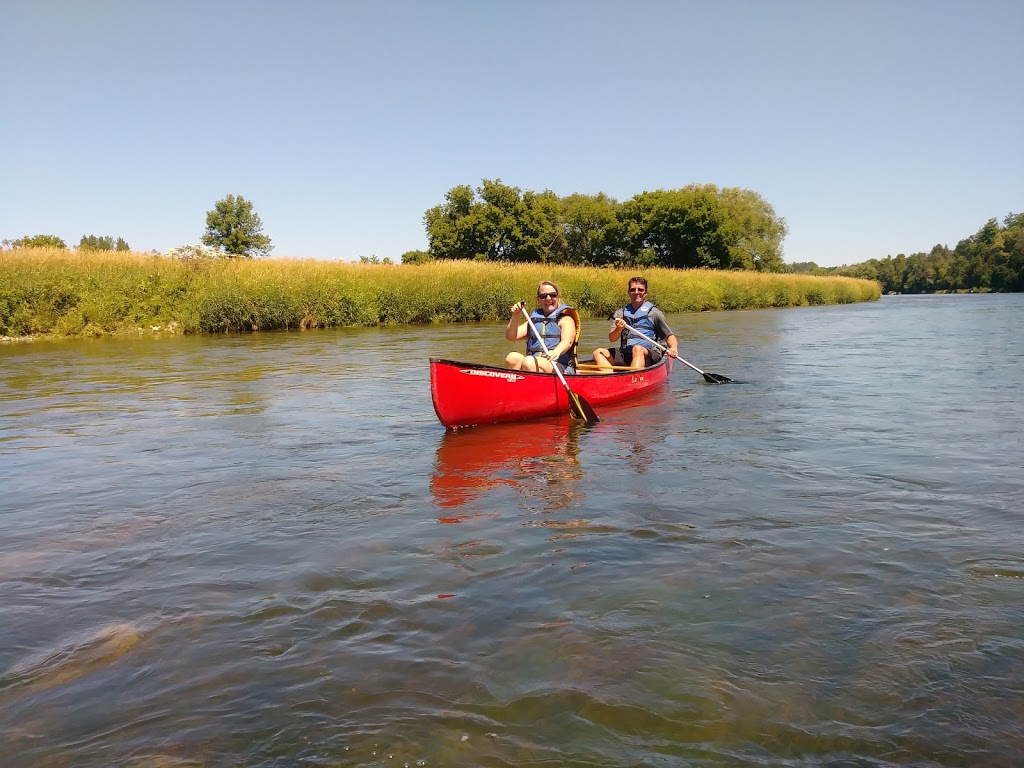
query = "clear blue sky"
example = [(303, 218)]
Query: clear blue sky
[(874, 127)]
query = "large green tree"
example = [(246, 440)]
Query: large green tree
[(38, 241), (753, 231), (520, 226), (696, 226), (703, 226), (587, 223), (233, 227), (683, 228), (104, 243), (495, 222), (455, 229)]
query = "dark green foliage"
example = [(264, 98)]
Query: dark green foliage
[(589, 225), (38, 241), (803, 268), (684, 228), (105, 243), (505, 224), (416, 257), (93, 243), (233, 227), (696, 226), (990, 260)]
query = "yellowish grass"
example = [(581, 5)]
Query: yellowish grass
[(68, 293)]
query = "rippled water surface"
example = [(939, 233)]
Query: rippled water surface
[(265, 551)]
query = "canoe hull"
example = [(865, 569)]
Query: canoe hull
[(465, 394)]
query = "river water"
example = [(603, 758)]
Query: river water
[(264, 550)]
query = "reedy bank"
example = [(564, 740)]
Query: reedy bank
[(61, 293)]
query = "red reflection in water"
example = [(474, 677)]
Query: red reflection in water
[(472, 462)]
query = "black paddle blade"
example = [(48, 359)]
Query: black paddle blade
[(716, 378), (580, 409)]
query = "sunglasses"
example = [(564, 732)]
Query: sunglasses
[(638, 290), (546, 295)]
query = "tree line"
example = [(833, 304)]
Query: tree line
[(691, 227), (992, 259), (87, 243), (695, 226), (233, 229)]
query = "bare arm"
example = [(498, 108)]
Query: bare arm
[(663, 331), (568, 328), (516, 331), (617, 328), (673, 345)]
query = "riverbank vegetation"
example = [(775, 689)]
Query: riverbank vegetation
[(74, 293), (697, 226), (992, 259)]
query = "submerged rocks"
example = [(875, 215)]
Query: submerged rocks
[(73, 660)]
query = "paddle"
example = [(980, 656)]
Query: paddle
[(710, 378), (578, 407)]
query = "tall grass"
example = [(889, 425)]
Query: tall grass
[(69, 293)]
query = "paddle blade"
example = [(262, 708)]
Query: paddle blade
[(716, 378), (580, 409)]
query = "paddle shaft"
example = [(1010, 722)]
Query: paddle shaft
[(662, 347), (576, 403), (715, 378)]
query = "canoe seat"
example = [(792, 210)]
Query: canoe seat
[(571, 312)]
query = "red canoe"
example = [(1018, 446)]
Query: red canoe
[(465, 394)]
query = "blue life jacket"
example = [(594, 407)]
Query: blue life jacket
[(547, 327), (641, 320)]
